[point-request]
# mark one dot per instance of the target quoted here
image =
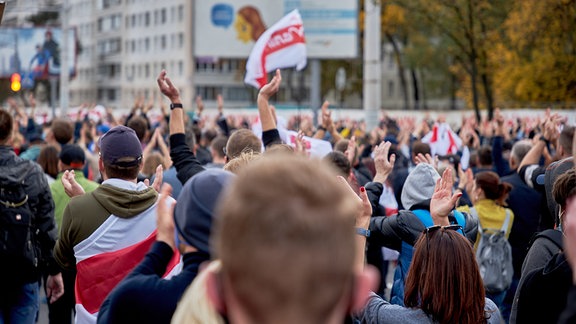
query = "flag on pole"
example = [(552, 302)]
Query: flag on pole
[(280, 46)]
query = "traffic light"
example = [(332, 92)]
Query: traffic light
[(15, 84)]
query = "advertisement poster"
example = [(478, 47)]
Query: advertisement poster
[(35, 53), (229, 28)]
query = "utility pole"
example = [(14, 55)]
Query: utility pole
[(372, 70), (64, 66)]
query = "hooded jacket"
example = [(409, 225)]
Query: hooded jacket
[(16, 169), (104, 235)]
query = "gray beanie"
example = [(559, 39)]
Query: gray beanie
[(419, 185), (194, 211)]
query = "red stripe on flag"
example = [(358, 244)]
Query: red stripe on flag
[(279, 40), (434, 137), (99, 274)]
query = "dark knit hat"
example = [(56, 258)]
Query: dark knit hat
[(72, 155), (120, 147), (195, 208)]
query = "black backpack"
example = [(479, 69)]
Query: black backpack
[(19, 251), (542, 295)]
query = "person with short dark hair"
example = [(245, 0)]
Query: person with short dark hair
[(107, 232)]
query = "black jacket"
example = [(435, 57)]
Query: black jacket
[(391, 231), (41, 204)]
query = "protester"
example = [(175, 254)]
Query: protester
[(27, 206), (144, 296), (72, 159), (107, 232), (400, 232), (304, 271), (488, 196)]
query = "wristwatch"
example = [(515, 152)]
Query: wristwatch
[(175, 105)]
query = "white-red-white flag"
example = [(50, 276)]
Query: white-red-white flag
[(442, 140), (281, 46)]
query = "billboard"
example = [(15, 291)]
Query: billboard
[(35, 53), (229, 28)]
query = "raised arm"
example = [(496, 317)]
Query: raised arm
[(176, 110), (183, 158), (549, 135), (267, 91)]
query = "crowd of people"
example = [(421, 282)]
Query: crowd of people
[(180, 217)]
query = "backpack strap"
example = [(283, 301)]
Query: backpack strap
[(475, 214), (424, 216), (504, 228), (460, 220), (552, 235)]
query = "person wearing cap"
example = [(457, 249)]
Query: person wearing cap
[(71, 158), (107, 232), (143, 296)]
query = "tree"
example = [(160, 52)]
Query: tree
[(536, 62)]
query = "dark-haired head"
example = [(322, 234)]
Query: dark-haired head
[(492, 187)]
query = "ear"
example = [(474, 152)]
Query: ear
[(364, 283), (215, 292), (101, 168)]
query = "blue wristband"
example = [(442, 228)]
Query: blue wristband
[(362, 231)]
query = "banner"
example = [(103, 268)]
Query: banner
[(280, 46), (229, 28)]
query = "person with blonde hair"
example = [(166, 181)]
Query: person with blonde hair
[(195, 307)]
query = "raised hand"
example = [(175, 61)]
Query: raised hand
[(167, 88), (271, 87), (427, 159), (165, 217), (466, 178), (351, 150), (199, 104), (443, 201), (220, 103), (381, 163), (158, 178), (71, 187)]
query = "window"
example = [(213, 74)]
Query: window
[(208, 93), (180, 13), (147, 19), (163, 42), (147, 44), (163, 16), (390, 88), (180, 40), (111, 94), (238, 94)]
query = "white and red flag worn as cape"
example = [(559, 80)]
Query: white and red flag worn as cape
[(442, 140), (281, 46)]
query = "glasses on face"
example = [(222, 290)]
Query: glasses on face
[(433, 229)]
